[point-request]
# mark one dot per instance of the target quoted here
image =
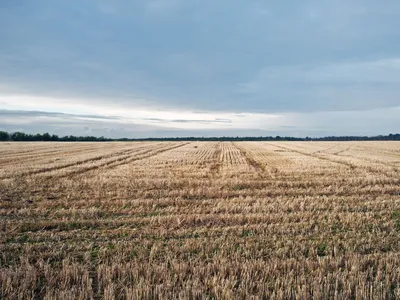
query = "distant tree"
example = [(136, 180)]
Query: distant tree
[(72, 138), (37, 137), (18, 136), (46, 137), (4, 136)]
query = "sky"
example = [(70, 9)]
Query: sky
[(162, 68)]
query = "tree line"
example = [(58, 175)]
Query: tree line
[(46, 137)]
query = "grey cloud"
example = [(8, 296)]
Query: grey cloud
[(25, 114), (342, 86), (69, 124), (264, 56), (373, 122), (216, 120), (182, 54)]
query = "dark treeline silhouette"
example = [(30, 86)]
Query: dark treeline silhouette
[(46, 137)]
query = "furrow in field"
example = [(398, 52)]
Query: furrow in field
[(352, 162), (49, 156), (120, 154), (54, 150), (124, 160), (249, 158), (216, 159)]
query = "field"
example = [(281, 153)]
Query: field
[(200, 220)]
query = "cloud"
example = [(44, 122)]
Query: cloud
[(71, 124), (256, 63), (24, 114), (361, 85), (180, 119), (197, 121), (372, 122)]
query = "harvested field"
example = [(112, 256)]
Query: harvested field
[(200, 220)]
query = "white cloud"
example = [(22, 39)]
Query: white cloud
[(72, 116), (176, 119)]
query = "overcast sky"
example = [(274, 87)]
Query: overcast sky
[(200, 67)]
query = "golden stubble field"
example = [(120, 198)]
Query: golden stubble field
[(200, 220)]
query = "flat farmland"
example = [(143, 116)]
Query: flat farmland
[(200, 220)]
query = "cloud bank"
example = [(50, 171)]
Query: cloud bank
[(163, 67)]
